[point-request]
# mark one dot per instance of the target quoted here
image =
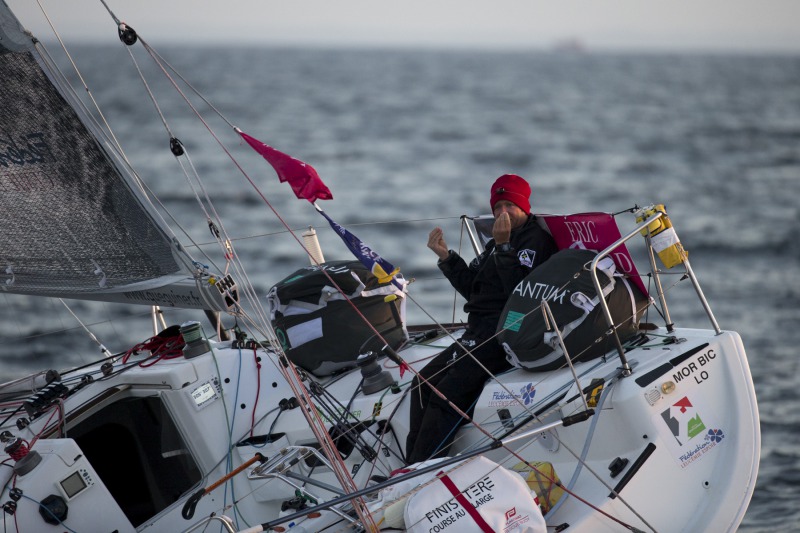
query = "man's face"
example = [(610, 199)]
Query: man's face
[(517, 215)]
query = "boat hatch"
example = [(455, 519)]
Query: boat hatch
[(137, 451)]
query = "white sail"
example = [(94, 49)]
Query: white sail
[(75, 225)]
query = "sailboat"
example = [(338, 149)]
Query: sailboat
[(296, 418)]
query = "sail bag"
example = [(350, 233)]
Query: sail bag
[(565, 282), (320, 330), (476, 495)]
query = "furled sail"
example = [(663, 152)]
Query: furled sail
[(74, 224)]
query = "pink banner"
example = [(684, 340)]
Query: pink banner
[(302, 177), (594, 231)]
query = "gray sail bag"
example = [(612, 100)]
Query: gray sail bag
[(322, 332), (565, 282)]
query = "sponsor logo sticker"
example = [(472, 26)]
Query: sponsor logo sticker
[(527, 392), (526, 257), (514, 520), (501, 398), (513, 321), (689, 430)]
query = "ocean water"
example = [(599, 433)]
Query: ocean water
[(417, 136)]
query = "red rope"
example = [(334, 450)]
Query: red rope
[(18, 449), (159, 347)]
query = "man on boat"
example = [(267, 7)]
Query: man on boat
[(518, 246)]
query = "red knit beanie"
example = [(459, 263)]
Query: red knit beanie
[(514, 189)]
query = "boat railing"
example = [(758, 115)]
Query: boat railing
[(644, 227), (479, 231), (225, 522), (280, 466)]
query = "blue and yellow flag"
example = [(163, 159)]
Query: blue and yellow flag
[(380, 267)]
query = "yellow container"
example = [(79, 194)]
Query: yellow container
[(663, 238), (542, 479)]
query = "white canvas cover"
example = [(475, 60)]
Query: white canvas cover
[(476, 495)]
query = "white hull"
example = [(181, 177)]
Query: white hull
[(707, 490)]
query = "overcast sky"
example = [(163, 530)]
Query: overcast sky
[(647, 25)]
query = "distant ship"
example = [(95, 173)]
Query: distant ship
[(571, 45)]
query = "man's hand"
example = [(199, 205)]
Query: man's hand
[(501, 231), (437, 244)]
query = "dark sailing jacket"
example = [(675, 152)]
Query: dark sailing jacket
[(489, 279)]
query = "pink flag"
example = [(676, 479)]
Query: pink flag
[(594, 231), (304, 180)]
